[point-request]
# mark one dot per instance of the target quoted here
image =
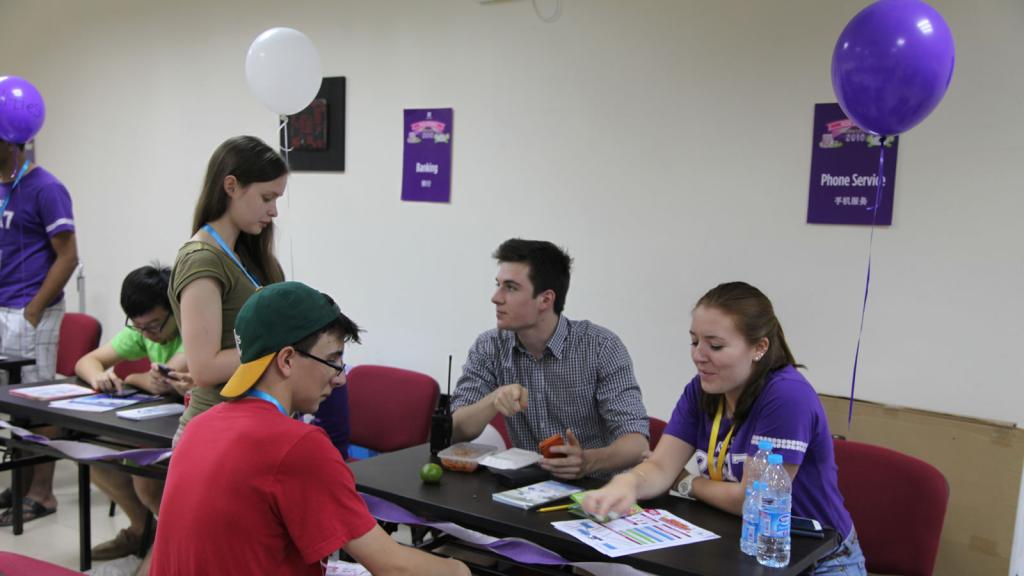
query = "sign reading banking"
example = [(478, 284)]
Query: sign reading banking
[(427, 162)]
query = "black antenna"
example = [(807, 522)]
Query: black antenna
[(449, 375)]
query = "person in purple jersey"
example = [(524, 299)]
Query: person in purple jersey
[(747, 389), (38, 254)]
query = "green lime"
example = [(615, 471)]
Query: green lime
[(431, 473)]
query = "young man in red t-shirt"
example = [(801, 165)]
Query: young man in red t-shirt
[(253, 491)]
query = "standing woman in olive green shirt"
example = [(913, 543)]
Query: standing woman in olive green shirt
[(229, 256)]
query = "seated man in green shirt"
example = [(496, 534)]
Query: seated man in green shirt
[(150, 332)]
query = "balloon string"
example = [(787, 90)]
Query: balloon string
[(867, 281), (287, 148), (283, 127)]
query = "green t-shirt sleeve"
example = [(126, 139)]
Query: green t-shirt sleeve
[(129, 344), (178, 346), (197, 260)]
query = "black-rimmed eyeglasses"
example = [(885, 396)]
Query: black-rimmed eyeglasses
[(154, 327), (339, 368)]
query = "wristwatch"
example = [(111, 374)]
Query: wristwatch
[(685, 487)]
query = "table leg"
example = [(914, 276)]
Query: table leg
[(17, 504), (14, 375), (84, 526)]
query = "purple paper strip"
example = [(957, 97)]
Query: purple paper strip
[(427, 160), (87, 452), (844, 172), (518, 550)]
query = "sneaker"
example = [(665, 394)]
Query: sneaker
[(126, 566), (123, 544)]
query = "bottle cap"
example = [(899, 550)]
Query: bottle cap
[(765, 445), (775, 459)]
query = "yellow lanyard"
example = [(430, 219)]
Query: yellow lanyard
[(715, 466)]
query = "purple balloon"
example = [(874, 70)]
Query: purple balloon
[(22, 110), (892, 64)]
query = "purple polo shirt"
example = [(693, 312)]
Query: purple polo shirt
[(39, 208), (788, 413)]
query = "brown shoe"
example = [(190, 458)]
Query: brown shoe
[(123, 544)]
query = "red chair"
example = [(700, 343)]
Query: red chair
[(657, 428), (12, 564), (390, 408), (79, 335), (898, 505), (125, 368), (499, 424)]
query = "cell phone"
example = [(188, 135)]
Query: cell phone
[(165, 370), (545, 447), (126, 391), (801, 526)]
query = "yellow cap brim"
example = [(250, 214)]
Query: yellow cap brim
[(246, 375)]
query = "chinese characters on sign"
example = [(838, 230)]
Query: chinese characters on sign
[(427, 162), (844, 171)]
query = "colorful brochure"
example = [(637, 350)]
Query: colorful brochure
[(102, 402), (535, 494), (52, 391), (151, 412), (651, 529)]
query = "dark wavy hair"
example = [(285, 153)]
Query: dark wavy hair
[(754, 317), (249, 160)]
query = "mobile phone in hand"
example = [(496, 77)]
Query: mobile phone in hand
[(545, 447), (165, 370)]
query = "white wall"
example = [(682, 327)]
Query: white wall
[(666, 144)]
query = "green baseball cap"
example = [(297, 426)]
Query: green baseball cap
[(275, 316)]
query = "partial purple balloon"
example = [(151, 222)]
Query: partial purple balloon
[(892, 64), (22, 110)]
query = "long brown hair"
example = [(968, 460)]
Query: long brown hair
[(249, 160), (754, 317)]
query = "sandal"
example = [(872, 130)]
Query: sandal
[(30, 511)]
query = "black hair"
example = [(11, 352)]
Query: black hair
[(145, 289), (550, 266)]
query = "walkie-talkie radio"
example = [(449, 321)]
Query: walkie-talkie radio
[(441, 420)]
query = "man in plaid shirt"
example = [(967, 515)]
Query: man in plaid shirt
[(550, 375)]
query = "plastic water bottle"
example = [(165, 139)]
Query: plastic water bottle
[(753, 471), (759, 463), (776, 496), (751, 518)]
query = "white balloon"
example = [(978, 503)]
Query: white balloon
[(282, 69)]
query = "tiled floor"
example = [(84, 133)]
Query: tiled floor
[(55, 537)]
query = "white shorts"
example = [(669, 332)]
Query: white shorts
[(20, 338)]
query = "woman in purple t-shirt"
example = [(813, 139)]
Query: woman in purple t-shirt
[(747, 389)]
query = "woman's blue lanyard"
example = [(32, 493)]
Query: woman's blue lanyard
[(17, 179), (261, 395), (231, 253)]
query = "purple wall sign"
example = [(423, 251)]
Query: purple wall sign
[(844, 171), (427, 163)]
